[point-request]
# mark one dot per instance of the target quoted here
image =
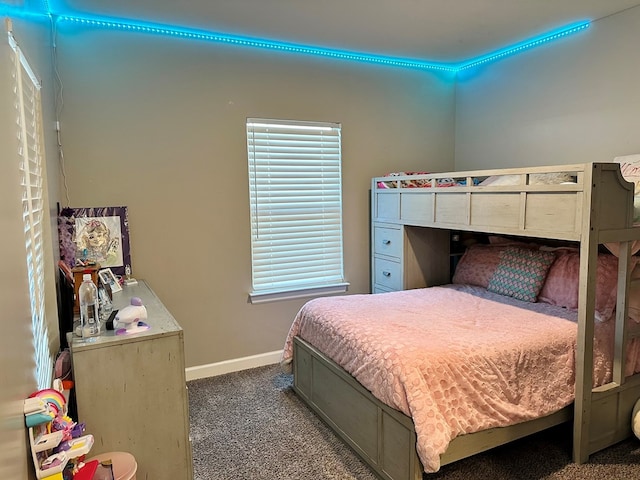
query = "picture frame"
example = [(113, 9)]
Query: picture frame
[(107, 277), (95, 235)]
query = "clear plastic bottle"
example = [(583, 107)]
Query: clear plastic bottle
[(89, 319)]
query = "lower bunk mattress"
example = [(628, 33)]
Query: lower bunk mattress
[(457, 359)]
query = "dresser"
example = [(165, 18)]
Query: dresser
[(131, 391), (405, 255)]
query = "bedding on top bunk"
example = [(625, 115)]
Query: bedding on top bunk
[(495, 180), (458, 358), (422, 183)]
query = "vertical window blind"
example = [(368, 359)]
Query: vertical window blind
[(26, 92), (295, 190)]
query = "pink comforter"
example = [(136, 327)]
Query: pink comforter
[(457, 359)]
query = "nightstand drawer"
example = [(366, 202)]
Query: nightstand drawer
[(387, 274), (387, 241), (379, 289)]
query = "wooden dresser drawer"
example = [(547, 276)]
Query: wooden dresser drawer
[(387, 241), (387, 274)]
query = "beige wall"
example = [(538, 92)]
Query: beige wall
[(16, 345), (158, 124), (574, 100)]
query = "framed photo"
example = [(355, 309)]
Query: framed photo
[(107, 277), (95, 235)]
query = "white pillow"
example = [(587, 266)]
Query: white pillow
[(496, 180), (534, 179)]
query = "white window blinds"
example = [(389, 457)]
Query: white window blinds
[(30, 151), (296, 208)]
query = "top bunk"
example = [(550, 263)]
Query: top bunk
[(565, 202)]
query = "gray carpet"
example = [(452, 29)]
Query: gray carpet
[(251, 425)]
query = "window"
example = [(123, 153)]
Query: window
[(295, 192), (29, 156)]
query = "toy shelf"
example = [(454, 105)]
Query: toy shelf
[(49, 465), (46, 441)]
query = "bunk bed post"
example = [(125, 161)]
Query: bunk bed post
[(624, 276), (586, 312)]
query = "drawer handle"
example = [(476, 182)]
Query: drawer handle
[(386, 242), (386, 273)]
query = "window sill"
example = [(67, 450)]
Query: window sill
[(273, 296)]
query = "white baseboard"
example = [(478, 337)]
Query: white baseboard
[(235, 365)]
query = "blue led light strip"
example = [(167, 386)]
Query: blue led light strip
[(144, 27), (548, 37)]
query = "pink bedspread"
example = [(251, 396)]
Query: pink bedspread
[(457, 359)]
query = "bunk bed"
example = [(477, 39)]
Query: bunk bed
[(587, 205)]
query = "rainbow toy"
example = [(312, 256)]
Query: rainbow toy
[(53, 398)]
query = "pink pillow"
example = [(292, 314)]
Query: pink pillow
[(478, 264), (561, 285)]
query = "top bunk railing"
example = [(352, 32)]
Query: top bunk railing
[(546, 202), (561, 177)]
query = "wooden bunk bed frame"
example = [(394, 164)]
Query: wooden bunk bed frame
[(596, 209)]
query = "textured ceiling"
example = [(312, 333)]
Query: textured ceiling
[(432, 30)]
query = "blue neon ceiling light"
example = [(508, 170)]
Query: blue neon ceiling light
[(519, 47), (145, 27), (203, 35)]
